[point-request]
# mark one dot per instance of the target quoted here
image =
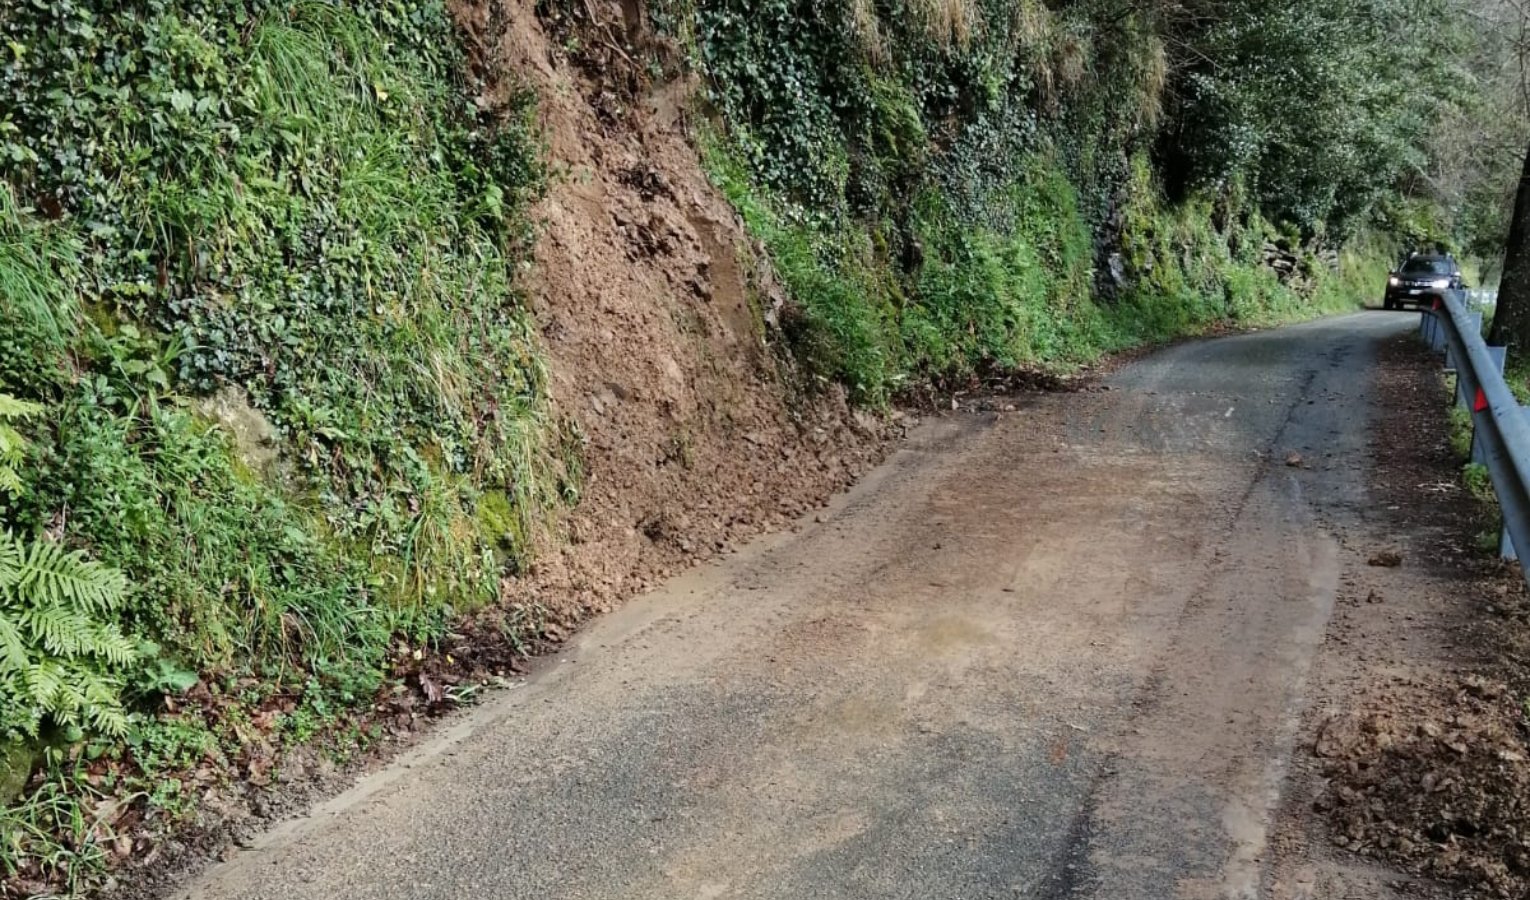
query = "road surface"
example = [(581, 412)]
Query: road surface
[(1058, 652)]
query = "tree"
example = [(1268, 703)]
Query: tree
[(1323, 108), (1506, 39), (1511, 321)]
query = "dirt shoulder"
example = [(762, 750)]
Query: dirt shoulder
[(1410, 777)]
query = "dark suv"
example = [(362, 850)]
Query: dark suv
[(1422, 280)]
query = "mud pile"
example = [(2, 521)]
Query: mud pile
[(1435, 777)]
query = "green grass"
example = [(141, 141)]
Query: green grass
[(375, 327), (1460, 430), (38, 264), (841, 325), (1475, 477), (36, 267), (56, 834)]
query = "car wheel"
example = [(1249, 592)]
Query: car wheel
[(1389, 303)]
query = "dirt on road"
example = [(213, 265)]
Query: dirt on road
[(1083, 648)]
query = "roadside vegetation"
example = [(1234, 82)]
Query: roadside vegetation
[(272, 415), (271, 407), (955, 185)]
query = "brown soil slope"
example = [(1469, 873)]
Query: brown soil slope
[(657, 318)]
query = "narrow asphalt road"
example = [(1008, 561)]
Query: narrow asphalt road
[(1059, 652)]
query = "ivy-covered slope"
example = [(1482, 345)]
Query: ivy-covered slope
[(949, 185), (257, 303)]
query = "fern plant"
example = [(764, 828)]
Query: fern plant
[(11, 441), (59, 648)]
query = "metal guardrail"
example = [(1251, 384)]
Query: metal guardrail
[(1500, 426)]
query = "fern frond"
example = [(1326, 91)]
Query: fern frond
[(101, 707), (69, 699), (11, 554), (44, 680), (14, 408), (98, 689), (56, 638), (13, 651), (53, 575), (61, 631), (11, 443), (109, 720), (17, 711), (109, 644)]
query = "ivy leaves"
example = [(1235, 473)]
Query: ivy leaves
[(286, 217), (775, 69), (298, 198)]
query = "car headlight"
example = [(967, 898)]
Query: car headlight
[(1440, 284), (1393, 282)]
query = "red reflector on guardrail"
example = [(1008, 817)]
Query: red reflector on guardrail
[(1438, 303), (1480, 404)]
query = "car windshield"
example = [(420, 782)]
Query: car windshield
[(1423, 266)]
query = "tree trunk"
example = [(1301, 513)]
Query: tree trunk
[(1511, 322)]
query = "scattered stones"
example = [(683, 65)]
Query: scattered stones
[(1436, 779)]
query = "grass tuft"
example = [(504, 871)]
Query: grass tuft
[(951, 23), (37, 266)]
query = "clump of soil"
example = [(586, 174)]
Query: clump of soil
[(1438, 779)]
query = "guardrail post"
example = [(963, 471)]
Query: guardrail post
[(1506, 548), (1500, 356), (1437, 341)]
